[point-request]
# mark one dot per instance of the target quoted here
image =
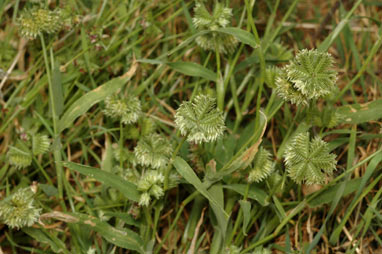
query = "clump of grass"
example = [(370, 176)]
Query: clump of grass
[(149, 129)]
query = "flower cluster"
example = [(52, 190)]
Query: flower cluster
[(150, 184), (220, 18), (153, 150), (309, 76), (308, 161), (127, 110), (18, 210), (200, 120), (22, 153), (262, 166), (37, 21)]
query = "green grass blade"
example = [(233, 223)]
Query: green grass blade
[(85, 102), (369, 171), (217, 193), (324, 46), (254, 192), (124, 238), (246, 208), (356, 113), (54, 243), (328, 195), (187, 41), (58, 95), (125, 187), (186, 171), (240, 34), (193, 69)]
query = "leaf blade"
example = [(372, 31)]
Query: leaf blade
[(240, 34), (186, 171), (85, 102), (193, 69), (129, 190)]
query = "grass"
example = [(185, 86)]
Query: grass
[(87, 191)]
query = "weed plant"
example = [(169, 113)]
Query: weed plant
[(190, 127)]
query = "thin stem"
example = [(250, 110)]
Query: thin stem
[(57, 142), (120, 143), (168, 169), (239, 218), (261, 58), (184, 203), (219, 82), (148, 221)]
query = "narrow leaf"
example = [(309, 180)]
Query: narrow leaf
[(85, 102), (356, 113), (254, 192), (187, 41), (186, 171), (246, 208), (124, 238), (240, 34), (125, 187), (58, 95), (328, 195), (56, 245), (216, 192), (193, 69)]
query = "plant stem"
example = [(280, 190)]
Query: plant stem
[(239, 218), (120, 143), (219, 81), (182, 205), (168, 169), (56, 139)]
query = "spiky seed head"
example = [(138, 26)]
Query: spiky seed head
[(156, 191), (150, 184), (19, 158), (200, 120), (145, 199), (286, 90), (309, 76), (36, 21), (18, 210), (262, 166), (219, 18), (40, 144), (127, 110), (174, 180), (271, 75), (312, 73), (153, 151), (308, 161), (150, 178), (123, 154), (147, 126), (275, 182)]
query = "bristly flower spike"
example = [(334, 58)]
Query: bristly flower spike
[(220, 18), (37, 21), (127, 110), (40, 144), (21, 154), (18, 210), (153, 150), (262, 166), (200, 120), (307, 161), (150, 184), (309, 76)]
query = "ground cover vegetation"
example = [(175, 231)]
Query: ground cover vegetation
[(190, 126)]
